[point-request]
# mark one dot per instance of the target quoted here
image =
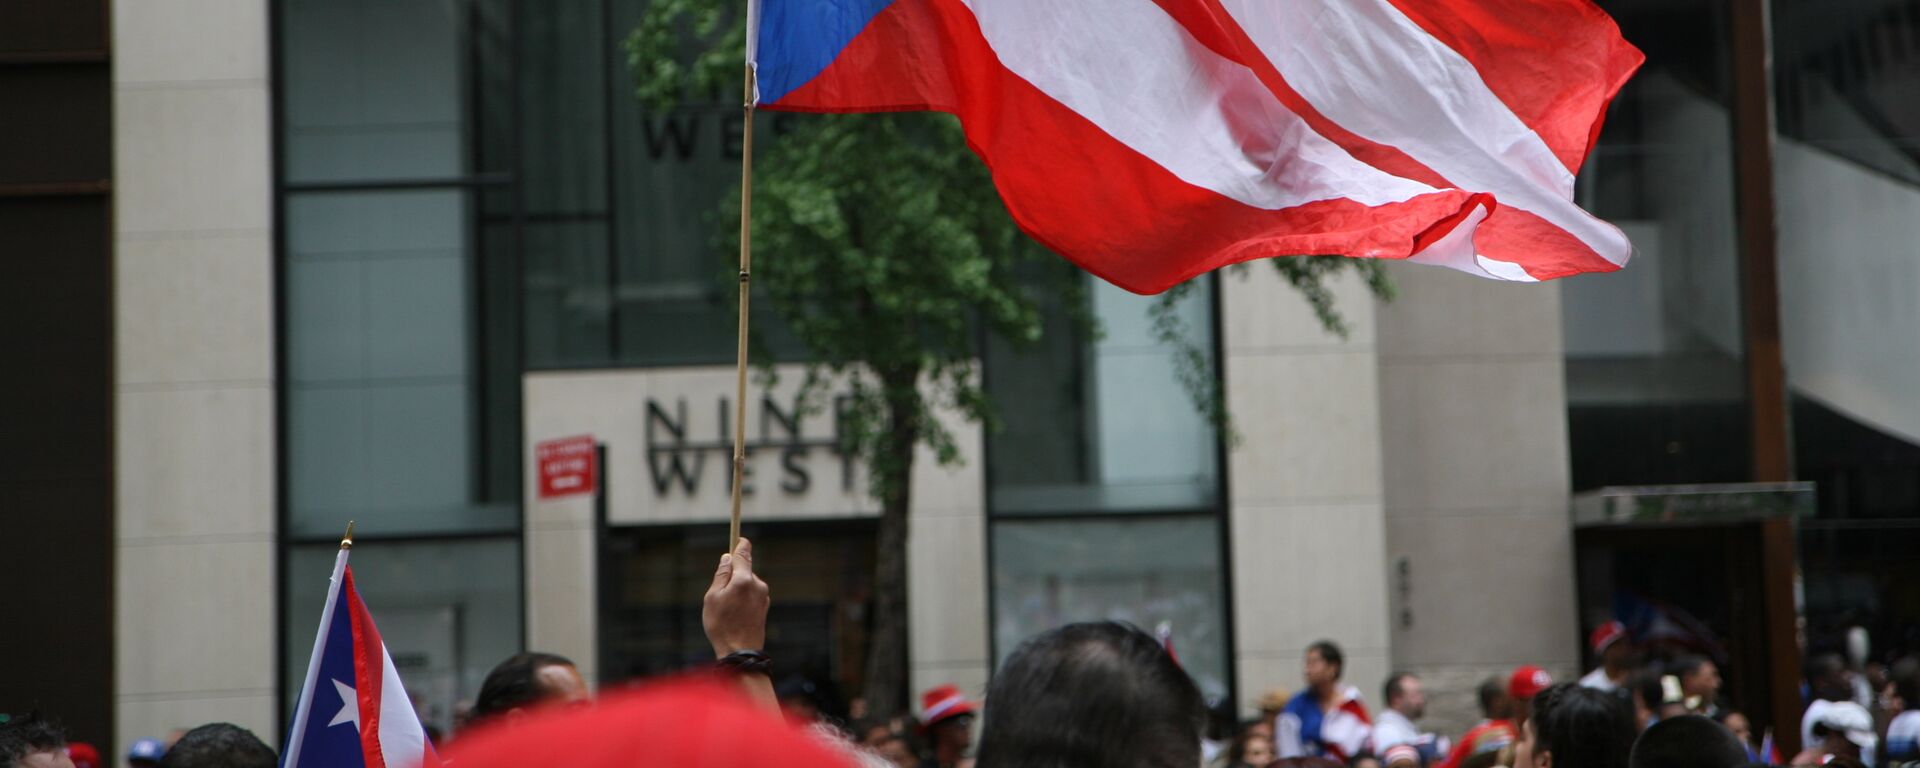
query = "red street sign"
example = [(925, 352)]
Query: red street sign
[(566, 466)]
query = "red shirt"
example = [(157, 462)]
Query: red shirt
[(1488, 736)]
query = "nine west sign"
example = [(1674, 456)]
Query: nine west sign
[(681, 461), (669, 439)]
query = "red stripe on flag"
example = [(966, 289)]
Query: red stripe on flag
[(368, 673), (1544, 250), (1550, 61), (1083, 193), (1213, 27), (1509, 234)]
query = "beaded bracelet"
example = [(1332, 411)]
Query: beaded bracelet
[(746, 663)]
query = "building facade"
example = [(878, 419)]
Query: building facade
[(361, 259)]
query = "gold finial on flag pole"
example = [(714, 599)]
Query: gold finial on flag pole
[(346, 542)]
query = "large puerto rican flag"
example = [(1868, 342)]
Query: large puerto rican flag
[(353, 712), (1150, 141)]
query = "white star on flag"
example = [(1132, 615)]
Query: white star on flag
[(349, 706)]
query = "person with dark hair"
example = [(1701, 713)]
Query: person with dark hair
[(1736, 722), (219, 745), (1699, 684), (1483, 743), (1405, 701), (1901, 698), (33, 741), (1575, 727), (1828, 681), (528, 680), (1689, 741), (1092, 694), (1251, 750), (1654, 696), (1327, 719)]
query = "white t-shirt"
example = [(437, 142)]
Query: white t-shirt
[(1598, 680), (1903, 737), (1391, 729)]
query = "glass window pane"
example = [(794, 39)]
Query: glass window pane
[(374, 88), (1142, 571), (447, 612), (1656, 386), (1846, 75), (382, 393), (1102, 425)]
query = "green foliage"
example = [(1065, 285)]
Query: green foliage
[(887, 252), (882, 243)]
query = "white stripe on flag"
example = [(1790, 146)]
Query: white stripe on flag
[(291, 755), (1370, 69), (402, 741), (1138, 75)]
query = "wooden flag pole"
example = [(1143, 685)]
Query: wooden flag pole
[(746, 273)]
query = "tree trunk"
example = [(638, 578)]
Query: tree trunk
[(886, 684)]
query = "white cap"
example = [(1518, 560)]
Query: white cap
[(1850, 719)]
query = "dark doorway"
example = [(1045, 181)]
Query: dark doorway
[(653, 577)]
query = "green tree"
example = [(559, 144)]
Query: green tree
[(882, 244)]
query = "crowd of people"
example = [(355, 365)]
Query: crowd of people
[(1100, 694)]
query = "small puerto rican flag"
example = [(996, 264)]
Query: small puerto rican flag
[(353, 712)]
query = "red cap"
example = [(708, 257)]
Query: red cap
[(83, 754), (943, 702), (1606, 635), (680, 722), (1527, 682)]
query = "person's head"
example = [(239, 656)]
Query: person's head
[(1698, 677), (1525, 683), (1575, 727), (1903, 685), (1495, 704), (1688, 741), (1611, 643), (799, 700), (1100, 693), (526, 681), (146, 753), (1844, 728), (1262, 728), (1323, 665), (895, 750), (1648, 694), (1271, 702), (32, 741), (1403, 694), (1827, 677), (947, 715), (1736, 722), (1251, 749), (219, 745)]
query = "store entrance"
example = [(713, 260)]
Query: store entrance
[(652, 578), (1704, 571)]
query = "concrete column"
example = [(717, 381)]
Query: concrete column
[(1307, 527), (1474, 417), (193, 194), (947, 569)]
